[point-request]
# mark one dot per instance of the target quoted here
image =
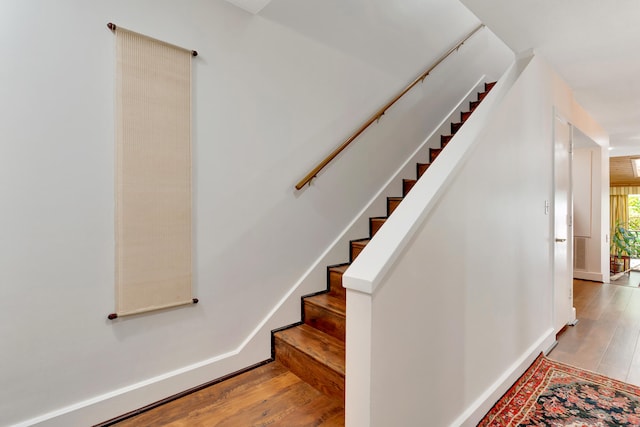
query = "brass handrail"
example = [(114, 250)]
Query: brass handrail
[(380, 113)]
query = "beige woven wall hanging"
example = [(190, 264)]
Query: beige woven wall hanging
[(153, 174)]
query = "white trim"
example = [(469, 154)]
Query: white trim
[(474, 412), (121, 391), (587, 275), (162, 386)]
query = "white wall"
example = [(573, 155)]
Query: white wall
[(590, 134), (582, 171), (269, 102), (590, 206), (455, 296)]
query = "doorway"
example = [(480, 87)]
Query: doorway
[(590, 196)]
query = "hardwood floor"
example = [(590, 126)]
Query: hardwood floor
[(242, 401), (606, 338)]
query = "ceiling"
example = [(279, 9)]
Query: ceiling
[(593, 44), (621, 171), (397, 38)]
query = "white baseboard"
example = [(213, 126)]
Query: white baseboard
[(474, 412), (126, 399), (587, 275), (257, 346)]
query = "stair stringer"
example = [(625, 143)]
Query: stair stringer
[(314, 279), (287, 311)]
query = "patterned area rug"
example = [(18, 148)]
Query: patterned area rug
[(554, 394)]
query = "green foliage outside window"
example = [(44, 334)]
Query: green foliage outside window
[(634, 211)]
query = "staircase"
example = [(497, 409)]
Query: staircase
[(314, 349)]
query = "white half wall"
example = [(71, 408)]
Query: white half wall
[(269, 102), (456, 290)]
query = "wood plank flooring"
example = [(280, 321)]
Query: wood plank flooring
[(266, 396), (606, 338)]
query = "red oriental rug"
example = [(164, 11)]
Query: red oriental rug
[(554, 394)]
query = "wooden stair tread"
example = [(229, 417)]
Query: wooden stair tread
[(361, 242), (319, 346), (329, 302), (433, 153), (340, 268), (334, 279), (357, 246), (421, 168), (392, 204), (327, 313), (445, 138), (375, 223), (407, 185)]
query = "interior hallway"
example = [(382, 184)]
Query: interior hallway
[(605, 340)]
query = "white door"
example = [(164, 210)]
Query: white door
[(562, 246)]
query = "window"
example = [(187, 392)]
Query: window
[(634, 212)]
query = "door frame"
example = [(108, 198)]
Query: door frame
[(562, 308)]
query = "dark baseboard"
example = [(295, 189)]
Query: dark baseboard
[(179, 395)]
